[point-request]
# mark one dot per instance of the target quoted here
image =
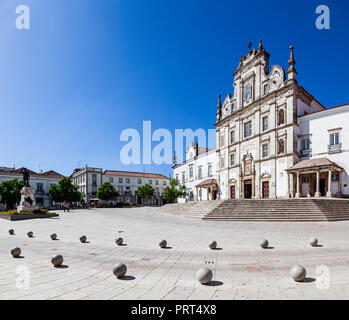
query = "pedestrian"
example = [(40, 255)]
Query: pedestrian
[(68, 206), (64, 206)]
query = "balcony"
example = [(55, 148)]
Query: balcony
[(305, 152), (336, 148)]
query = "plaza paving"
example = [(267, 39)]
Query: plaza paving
[(242, 270)]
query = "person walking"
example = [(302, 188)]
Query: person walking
[(68, 206), (64, 206)]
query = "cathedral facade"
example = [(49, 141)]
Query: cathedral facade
[(274, 139)]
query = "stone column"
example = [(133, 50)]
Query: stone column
[(329, 192), (317, 193), (288, 195), (298, 195)]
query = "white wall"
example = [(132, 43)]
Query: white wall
[(318, 125)]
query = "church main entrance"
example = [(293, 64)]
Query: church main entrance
[(248, 189)]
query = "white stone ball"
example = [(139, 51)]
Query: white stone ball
[(57, 260), (212, 244), (83, 239), (30, 234), (313, 242), (264, 243), (163, 244), (16, 252), (298, 273), (53, 236), (119, 270), (11, 232), (119, 241), (204, 275)]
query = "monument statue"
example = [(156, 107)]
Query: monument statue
[(26, 177), (27, 202)]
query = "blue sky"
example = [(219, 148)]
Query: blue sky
[(88, 69)]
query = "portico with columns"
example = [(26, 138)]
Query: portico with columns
[(314, 178)]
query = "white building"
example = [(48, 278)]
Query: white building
[(126, 183), (322, 135), (88, 181), (198, 173), (274, 139), (40, 182)]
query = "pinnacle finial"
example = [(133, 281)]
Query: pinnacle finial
[(291, 61), (219, 108), (260, 48)]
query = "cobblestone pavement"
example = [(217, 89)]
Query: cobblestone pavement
[(242, 270)]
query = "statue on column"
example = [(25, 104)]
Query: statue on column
[(26, 177)]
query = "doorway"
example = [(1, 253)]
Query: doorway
[(232, 192), (323, 187), (265, 189), (248, 189)]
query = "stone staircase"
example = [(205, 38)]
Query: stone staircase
[(281, 210), (192, 209)]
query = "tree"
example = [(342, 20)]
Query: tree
[(107, 192), (175, 191), (145, 192), (65, 191), (10, 192)]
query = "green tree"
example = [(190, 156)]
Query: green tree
[(10, 192), (65, 191), (145, 192), (175, 190), (107, 192)]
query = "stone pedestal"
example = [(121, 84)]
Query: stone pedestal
[(27, 200)]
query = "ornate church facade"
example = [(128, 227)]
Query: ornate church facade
[(267, 137)]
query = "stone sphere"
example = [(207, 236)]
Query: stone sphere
[(11, 231), (16, 252), (57, 260), (30, 234), (204, 275), (53, 236), (212, 244), (298, 273), (119, 270), (163, 244), (119, 241), (83, 239), (313, 242), (264, 243)]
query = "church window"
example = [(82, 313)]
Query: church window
[(248, 129), (281, 148), (265, 150), (232, 136), (266, 89), (232, 159), (265, 123), (281, 117), (247, 92)]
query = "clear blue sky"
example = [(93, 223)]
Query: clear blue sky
[(88, 69)]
